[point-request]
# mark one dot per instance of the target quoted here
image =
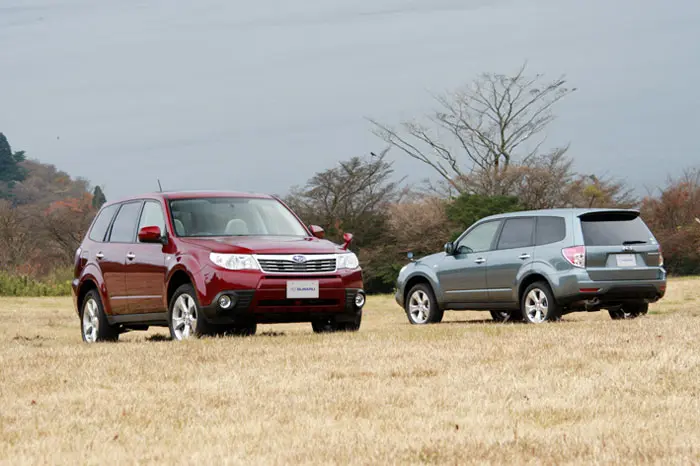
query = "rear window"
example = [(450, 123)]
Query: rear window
[(104, 218), (124, 227), (613, 229), (550, 230)]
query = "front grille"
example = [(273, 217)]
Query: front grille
[(288, 265)]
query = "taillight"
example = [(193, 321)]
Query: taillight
[(661, 257), (575, 255)]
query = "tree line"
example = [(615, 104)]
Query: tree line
[(485, 144)]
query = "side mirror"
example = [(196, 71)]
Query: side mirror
[(409, 254), (347, 237), (449, 248), (150, 235), (317, 231)]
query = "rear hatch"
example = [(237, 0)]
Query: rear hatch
[(619, 246)]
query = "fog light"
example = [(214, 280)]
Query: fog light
[(225, 302), (360, 299)]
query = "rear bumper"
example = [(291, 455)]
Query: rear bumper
[(589, 293)]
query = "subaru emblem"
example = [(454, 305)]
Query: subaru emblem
[(299, 259)]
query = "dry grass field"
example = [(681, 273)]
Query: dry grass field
[(585, 390)]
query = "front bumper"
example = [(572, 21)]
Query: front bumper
[(264, 299)]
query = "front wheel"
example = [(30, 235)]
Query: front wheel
[(185, 318), (421, 306), (331, 325), (538, 304)]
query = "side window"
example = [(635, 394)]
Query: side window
[(479, 239), (550, 230), (152, 216), (104, 218), (124, 227), (517, 233)]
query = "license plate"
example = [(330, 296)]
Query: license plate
[(302, 289), (626, 260)]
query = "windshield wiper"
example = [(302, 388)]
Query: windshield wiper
[(626, 243)]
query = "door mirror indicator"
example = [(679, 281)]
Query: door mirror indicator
[(150, 234), (347, 238), (317, 231)]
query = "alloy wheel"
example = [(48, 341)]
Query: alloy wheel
[(536, 306), (419, 306), (91, 321), (184, 317)]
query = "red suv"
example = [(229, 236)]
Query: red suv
[(211, 264)]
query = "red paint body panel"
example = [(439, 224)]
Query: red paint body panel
[(134, 278)]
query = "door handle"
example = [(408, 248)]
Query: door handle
[(480, 260), (524, 256), (99, 256), (130, 256)]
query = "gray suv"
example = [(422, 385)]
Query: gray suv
[(536, 266)]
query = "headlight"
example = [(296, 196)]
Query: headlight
[(348, 261), (234, 261)]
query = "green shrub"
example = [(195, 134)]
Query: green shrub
[(21, 285)]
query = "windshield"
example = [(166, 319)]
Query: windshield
[(233, 216)]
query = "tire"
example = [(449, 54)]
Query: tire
[(504, 316), (421, 306), (243, 329), (93, 321), (537, 304), (629, 311), (330, 325), (353, 325), (185, 317)]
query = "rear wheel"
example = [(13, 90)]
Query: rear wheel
[(538, 304), (93, 321), (505, 316), (628, 311), (421, 306)]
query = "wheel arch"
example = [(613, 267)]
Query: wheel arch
[(87, 285), (177, 278), (415, 280), (528, 280)]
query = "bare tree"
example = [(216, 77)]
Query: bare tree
[(349, 195), (486, 127)]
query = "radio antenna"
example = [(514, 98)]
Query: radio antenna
[(160, 187)]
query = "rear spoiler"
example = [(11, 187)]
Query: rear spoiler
[(609, 214)]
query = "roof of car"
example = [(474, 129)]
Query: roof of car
[(567, 211), (192, 195)]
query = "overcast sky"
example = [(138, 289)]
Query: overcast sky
[(259, 95)]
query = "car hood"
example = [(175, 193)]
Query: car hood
[(265, 245), (431, 259)]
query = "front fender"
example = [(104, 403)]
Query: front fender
[(190, 265), (419, 272)]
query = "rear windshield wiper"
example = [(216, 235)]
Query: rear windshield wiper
[(626, 243)]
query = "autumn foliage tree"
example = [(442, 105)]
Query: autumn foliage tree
[(674, 218), (43, 217)]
